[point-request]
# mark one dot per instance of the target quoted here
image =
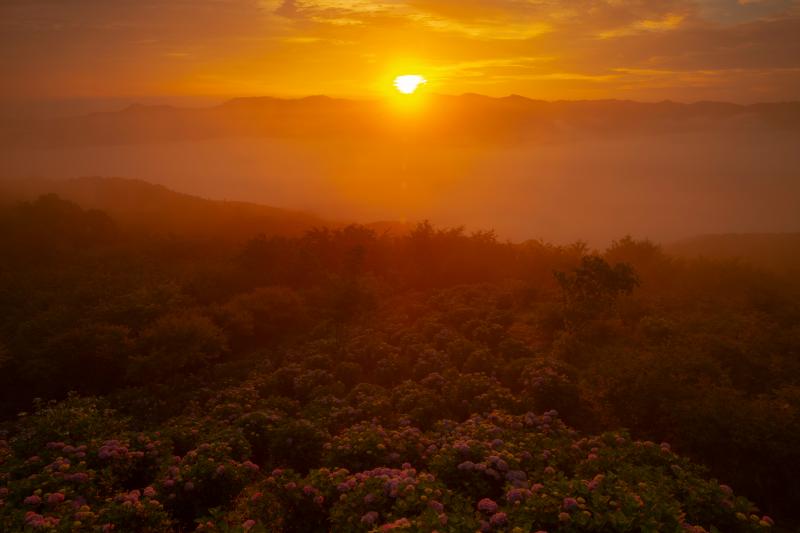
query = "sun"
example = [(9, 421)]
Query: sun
[(409, 83)]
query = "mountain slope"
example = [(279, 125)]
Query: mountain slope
[(160, 210)]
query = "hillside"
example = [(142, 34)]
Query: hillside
[(154, 208)]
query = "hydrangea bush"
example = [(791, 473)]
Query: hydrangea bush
[(497, 471)]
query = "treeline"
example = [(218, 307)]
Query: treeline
[(350, 326), (90, 307)]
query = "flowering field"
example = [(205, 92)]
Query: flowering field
[(491, 472), (350, 382)]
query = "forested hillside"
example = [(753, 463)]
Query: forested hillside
[(148, 208), (348, 379)]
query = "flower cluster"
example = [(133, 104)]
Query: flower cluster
[(494, 472)]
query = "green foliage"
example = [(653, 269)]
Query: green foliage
[(350, 381), (50, 228), (590, 290), (175, 343)]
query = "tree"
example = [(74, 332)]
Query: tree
[(180, 342), (591, 290)]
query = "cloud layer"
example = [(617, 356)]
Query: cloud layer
[(740, 50)]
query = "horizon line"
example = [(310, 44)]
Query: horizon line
[(221, 99)]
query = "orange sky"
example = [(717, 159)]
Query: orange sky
[(735, 50)]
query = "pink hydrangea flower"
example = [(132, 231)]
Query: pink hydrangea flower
[(251, 466), (498, 519), (487, 506), (569, 504), (369, 518), (34, 519), (517, 495), (400, 522), (38, 521), (466, 465)]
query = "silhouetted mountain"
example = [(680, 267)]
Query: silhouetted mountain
[(155, 208), (445, 118)]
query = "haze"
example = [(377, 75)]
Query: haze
[(354, 266), (560, 173)]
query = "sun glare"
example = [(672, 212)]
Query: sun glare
[(409, 83)]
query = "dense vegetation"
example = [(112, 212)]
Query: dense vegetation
[(347, 380)]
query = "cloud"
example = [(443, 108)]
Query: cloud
[(669, 22), (523, 46)]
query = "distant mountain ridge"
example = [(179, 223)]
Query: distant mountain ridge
[(451, 118)]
